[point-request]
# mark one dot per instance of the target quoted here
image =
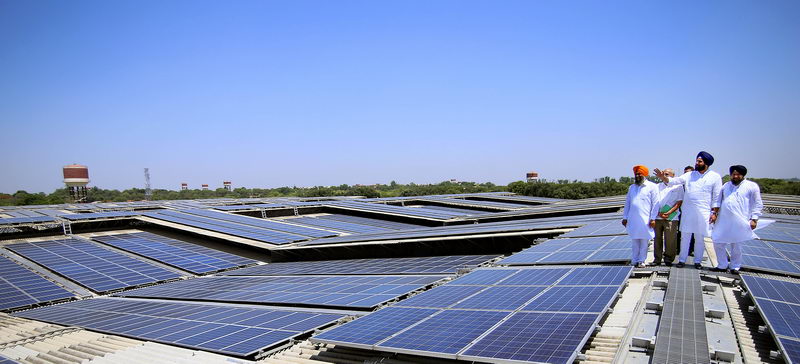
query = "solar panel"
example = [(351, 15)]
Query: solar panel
[(394, 210), (534, 337), (774, 289), (266, 224), (574, 250), (791, 349), (92, 265), (338, 291), (500, 298), (392, 225), (771, 256), (21, 287), (250, 232), (441, 297), (375, 327), (229, 330), (342, 226), (417, 265), (100, 215), (573, 299), (597, 228), (4, 360), (478, 203), (26, 220), (479, 317), (189, 257), (780, 232), (447, 332)]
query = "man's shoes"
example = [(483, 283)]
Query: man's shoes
[(654, 264), (697, 266), (681, 264), (715, 269), (734, 271), (668, 264), (640, 265)]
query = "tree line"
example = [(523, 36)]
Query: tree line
[(565, 189)]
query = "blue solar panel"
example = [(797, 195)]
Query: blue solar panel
[(377, 326), (597, 228), (341, 226), (266, 224), (20, 287), (784, 318), (477, 307), (791, 350), (418, 265), (4, 360), (573, 299), (245, 231), (340, 291), (441, 297), (447, 332), (100, 215), (229, 330), (395, 210), (574, 250), (534, 337), (500, 298), (772, 264), (774, 289), (91, 264), (26, 220), (392, 225), (597, 276), (535, 277), (190, 257), (484, 277)]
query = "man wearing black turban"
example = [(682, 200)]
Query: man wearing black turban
[(740, 208), (700, 204)]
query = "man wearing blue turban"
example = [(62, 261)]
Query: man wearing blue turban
[(700, 204)]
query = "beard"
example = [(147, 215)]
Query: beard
[(736, 182), (700, 168), (638, 180)]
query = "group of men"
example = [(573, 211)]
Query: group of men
[(693, 206)]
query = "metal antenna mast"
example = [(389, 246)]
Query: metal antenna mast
[(148, 193)]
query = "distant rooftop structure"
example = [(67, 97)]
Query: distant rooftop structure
[(76, 177), (532, 176)]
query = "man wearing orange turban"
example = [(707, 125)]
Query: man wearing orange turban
[(640, 213)]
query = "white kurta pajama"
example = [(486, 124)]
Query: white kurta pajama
[(701, 194), (640, 208), (738, 205)]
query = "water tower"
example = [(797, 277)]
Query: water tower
[(532, 176), (76, 177), (227, 185)]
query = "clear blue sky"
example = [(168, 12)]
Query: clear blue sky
[(269, 93)]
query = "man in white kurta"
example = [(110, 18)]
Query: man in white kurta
[(700, 205), (639, 214), (740, 208)]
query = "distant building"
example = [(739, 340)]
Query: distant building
[(532, 176), (227, 185), (453, 180), (204, 187), (184, 186)]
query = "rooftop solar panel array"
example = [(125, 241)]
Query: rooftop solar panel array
[(395, 210), (239, 331), (341, 226), (574, 250), (771, 256), (598, 228), (419, 265), (21, 287), (493, 315), (189, 257), (266, 224), (455, 210), (392, 225), (786, 232), (92, 265), (245, 231), (778, 301), (336, 291), (478, 203), (100, 215), (27, 220)]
